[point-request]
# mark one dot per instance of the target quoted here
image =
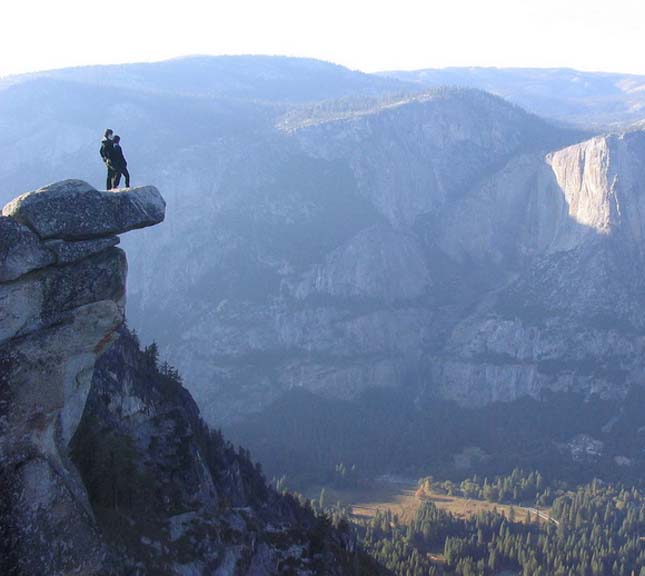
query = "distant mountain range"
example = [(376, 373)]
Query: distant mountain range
[(256, 78), (600, 99), (588, 99), (340, 232)]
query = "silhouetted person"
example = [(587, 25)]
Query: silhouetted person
[(107, 146), (119, 165)]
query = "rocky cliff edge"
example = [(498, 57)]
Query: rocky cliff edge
[(106, 467), (62, 297)]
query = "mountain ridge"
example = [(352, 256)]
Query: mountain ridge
[(270, 78), (387, 251), (591, 99), (354, 169)]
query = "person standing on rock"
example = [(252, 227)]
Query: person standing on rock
[(119, 164), (107, 146)]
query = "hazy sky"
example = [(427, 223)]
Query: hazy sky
[(367, 35)]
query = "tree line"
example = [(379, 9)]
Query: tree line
[(600, 532), (518, 487)]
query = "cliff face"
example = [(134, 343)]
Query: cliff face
[(105, 464), (342, 247), (571, 317), (511, 274), (62, 301)]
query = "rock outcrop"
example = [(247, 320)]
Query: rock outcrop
[(73, 210), (62, 299), (21, 250), (106, 467)]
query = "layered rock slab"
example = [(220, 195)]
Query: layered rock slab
[(74, 210), (20, 250), (68, 252)]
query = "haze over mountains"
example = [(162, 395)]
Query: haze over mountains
[(340, 232), (585, 98)]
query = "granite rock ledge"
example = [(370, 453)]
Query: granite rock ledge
[(74, 210), (62, 300)]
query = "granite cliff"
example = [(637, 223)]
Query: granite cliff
[(105, 464), (62, 301), (571, 317)]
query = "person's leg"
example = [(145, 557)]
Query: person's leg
[(126, 174), (116, 179), (110, 177)]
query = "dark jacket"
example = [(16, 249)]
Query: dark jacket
[(117, 158), (107, 147)]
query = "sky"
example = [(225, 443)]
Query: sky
[(365, 35)]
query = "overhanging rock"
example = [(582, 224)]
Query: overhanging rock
[(74, 210)]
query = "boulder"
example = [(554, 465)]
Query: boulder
[(20, 250), (74, 210)]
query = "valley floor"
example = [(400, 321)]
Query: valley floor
[(401, 497)]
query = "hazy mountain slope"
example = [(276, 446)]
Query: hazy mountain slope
[(401, 433), (365, 242), (415, 155), (585, 98), (268, 78), (316, 266)]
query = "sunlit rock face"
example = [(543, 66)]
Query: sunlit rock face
[(603, 181), (572, 317), (62, 302)]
